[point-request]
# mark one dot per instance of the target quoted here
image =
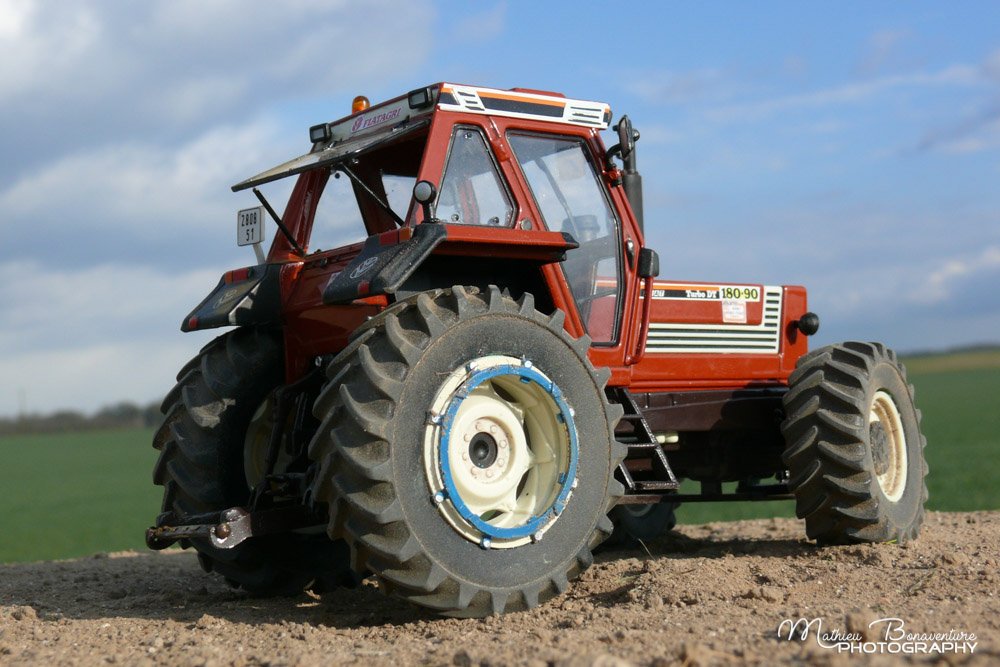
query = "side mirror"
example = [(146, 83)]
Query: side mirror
[(649, 263), (626, 136), (425, 193)]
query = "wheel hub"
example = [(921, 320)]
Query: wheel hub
[(880, 447), (483, 450), (500, 451)]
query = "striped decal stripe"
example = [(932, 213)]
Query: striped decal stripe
[(523, 105), (763, 338)]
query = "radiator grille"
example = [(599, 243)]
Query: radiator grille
[(763, 338)]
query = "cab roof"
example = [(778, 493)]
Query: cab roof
[(390, 119)]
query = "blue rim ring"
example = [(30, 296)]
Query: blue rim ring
[(565, 417)]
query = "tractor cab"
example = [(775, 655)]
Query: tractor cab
[(521, 192)]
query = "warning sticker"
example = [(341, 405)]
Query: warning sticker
[(734, 311)]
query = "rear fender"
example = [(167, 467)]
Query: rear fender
[(384, 263), (243, 296), (389, 262)]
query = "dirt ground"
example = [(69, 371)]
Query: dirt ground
[(705, 595)]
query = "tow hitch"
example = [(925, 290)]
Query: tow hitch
[(230, 527)]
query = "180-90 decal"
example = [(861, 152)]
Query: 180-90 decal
[(707, 292)]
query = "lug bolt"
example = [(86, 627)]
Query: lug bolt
[(537, 537), (438, 497), (486, 543)]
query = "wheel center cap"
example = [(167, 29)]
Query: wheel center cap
[(483, 450), (880, 447)]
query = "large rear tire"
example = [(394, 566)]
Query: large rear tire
[(855, 453), (202, 464), (468, 452)]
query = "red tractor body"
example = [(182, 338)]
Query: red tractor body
[(512, 191)]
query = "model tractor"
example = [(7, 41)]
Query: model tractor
[(492, 380)]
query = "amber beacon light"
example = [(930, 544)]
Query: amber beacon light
[(360, 103)]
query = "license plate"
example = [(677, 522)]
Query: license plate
[(250, 226)]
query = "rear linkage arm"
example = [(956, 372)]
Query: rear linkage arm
[(227, 528), (230, 527)]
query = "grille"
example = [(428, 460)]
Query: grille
[(585, 114), (763, 338)]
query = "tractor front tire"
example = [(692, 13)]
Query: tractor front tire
[(468, 452), (202, 460), (854, 449)]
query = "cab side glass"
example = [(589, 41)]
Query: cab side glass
[(571, 199), (472, 192)]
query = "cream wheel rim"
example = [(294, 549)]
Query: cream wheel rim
[(891, 471), (500, 451)]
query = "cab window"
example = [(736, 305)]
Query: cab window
[(472, 191), (570, 197), (346, 213), (337, 221)]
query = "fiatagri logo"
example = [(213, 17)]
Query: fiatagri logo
[(367, 122), (891, 637)]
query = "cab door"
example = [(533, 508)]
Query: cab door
[(567, 189)]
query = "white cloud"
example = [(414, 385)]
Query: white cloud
[(940, 284), (850, 93), (975, 133), (157, 49), (47, 307), (91, 72), (51, 47), (13, 16), (143, 190), (991, 66), (89, 377), (89, 337), (682, 87), (882, 50), (481, 26)]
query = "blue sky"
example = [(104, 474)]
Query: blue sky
[(851, 147)]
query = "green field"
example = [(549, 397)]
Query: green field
[(72, 495)]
